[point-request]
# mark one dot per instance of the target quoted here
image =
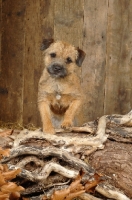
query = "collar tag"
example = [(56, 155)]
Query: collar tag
[(58, 96)]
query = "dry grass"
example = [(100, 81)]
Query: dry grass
[(16, 125)]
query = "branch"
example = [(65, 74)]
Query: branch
[(111, 192), (122, 119), (95, 141), (81, 129), (86, 196), (48, 168), (29, 159), (43, 175), (50, 151)]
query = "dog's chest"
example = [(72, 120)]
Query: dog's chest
[(58, 91)]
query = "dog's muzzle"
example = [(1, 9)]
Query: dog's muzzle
[(57, 70)]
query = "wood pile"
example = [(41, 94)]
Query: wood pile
[(92, 162)]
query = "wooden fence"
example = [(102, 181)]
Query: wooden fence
[(102, 28)]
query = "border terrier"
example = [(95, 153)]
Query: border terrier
[(59, 91)]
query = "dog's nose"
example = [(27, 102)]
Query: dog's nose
[(57, 67)]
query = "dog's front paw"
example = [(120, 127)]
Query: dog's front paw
[(66, 124), (49, 130)]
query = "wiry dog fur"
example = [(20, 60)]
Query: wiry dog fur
[(60, 92)]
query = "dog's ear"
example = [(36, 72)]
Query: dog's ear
[(80, 58), (46, 43)]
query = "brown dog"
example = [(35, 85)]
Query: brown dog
[(59, 86)]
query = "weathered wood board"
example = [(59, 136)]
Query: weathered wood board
[(94, 43), (0, 29), (103, 29), (118, 85), (12, 61)]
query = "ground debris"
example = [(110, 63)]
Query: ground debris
[(49, 167)]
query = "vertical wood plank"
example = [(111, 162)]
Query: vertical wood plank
[(47, 18), (12, 50), (68, 21), (0, 30), (36, 28), (130, 47), (94, 43), (118, 81), (32, 61)]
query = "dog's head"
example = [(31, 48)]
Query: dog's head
[(61, 58)]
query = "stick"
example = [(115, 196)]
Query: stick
[(43, 175), (86, 196), (111, 192)]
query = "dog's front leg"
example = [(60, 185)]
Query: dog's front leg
[(70, 114), (46, 117)]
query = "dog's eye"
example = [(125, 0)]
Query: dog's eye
[(68, 60), (53, 55)]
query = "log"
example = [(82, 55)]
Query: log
[(115, 161)]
